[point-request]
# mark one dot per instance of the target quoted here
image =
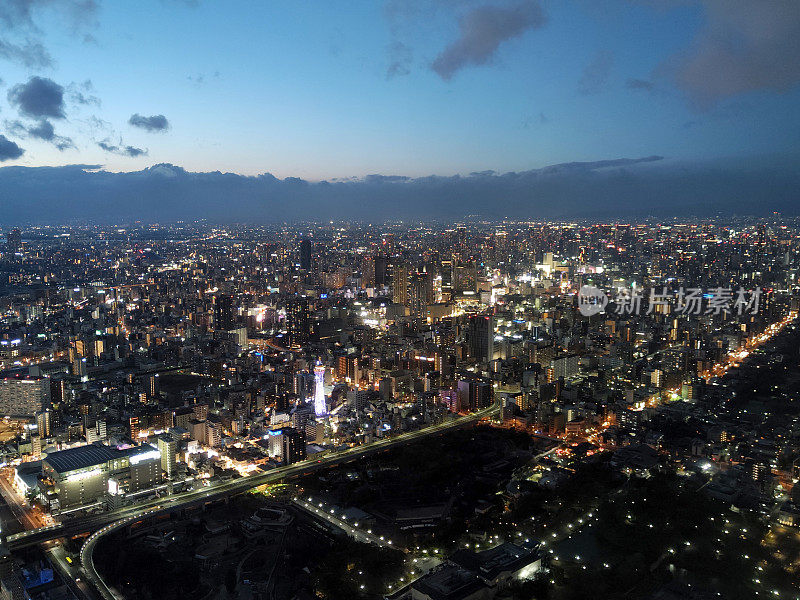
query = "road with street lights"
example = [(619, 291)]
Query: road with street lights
[(103, 523)]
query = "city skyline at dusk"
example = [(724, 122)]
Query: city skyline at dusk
[(400, 300)]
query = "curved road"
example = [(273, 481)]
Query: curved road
[(114, 520)]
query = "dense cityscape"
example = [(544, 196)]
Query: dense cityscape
[(397, 410), (399, 300)]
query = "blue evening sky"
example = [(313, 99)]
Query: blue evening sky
[(301, 88)]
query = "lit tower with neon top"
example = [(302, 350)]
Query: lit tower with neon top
[(320, 409)]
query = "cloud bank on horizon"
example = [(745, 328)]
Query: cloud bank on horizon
[(607, 189)]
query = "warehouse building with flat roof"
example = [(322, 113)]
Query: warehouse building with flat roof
[(81, 475)]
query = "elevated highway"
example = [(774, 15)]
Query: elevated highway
[(95, 522)]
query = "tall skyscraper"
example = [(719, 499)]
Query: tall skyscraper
[(320, 408), (447, 279), (294, 445), (298, 322), (44, 423), (151, 386), (381, 270), (420, 293), (223, 312), (167, 446), (400, 285), (481, 337), (305, 255)]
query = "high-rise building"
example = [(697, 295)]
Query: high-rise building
[(303, 385), (294, 445), (368, 271), (474, 394), (79, 367), (320, 408), (167, 446), (420, 293), (298, 322), (400, 285), (565, 366), (213, 433), (305, 255), (58, 390), (102, 429), (275, 439), (90, 431), (151, 385), (134, 427), (44, 423), (223, 312), (36, 445), (381, 270), (447, 279), (480, 336), (145, 468), (23, 396)]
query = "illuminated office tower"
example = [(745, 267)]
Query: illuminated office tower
[(167, 446), (44, 423), (420, 293), (447, 279), (319, 392), (400, 285)]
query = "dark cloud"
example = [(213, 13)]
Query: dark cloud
[(121, 149), (386, 178), (41, 130), (596, 73), (39, 98), (482, 30), (9, 150), (400, 57), (639, 84), (744, 46), (19, 43), (615, 188), (151, 124), (29, 54), (19, 14)]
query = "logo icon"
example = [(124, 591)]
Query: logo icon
[(591, 300)]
